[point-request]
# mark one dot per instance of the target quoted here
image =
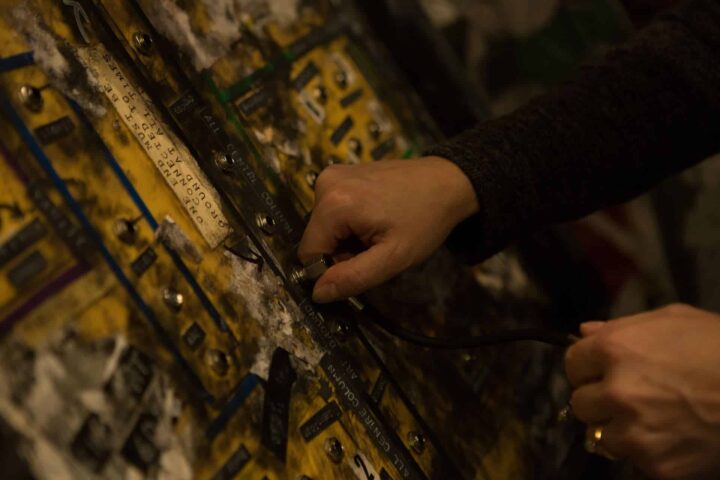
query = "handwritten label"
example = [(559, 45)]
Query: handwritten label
[(171, 158)]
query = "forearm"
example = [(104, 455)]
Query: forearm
[(649, 110)]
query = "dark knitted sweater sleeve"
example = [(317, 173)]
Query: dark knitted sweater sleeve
[(650, 109)]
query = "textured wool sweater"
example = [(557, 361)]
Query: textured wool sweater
[(648, 110)]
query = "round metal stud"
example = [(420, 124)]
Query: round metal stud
[(374, 130), (416, 440), (218, 361), (341, 79), (266, 223), (143, 42), (311, 178), (173, 299), (355, 146), (333, 160), (320, 94), (224, 161), (31, 98), (125, 230), (342, 330), (334, 449)]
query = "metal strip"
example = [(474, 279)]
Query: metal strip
[(145, 211), (46, 165), (352, 395)]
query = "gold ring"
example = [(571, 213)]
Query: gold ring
[(592, 442)]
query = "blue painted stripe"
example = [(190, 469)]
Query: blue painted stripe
[(137, 199), (20, 60), (247, 385), (45, 163)]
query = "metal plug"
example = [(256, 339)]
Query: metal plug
[(312, 270)]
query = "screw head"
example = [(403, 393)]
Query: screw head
[(355, 146), (218, 361), (374, 130), (334, 449), (311, 178), (416, 440), (320, 94), (340, 79), (342, 330), (333, 160), (266, 223), (125, 230), (224, 161), (31, 98), (143, 42), (173, 299)]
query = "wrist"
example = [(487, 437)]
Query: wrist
[(456, 188)]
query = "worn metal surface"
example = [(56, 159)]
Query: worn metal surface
[(154, 187)]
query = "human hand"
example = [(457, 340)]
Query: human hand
[(652, 383), (401, 211)]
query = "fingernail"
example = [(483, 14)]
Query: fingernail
[(325, 293)]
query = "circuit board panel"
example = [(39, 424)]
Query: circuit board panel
[(158, 161)]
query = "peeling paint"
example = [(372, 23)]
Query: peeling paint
[(263, 293)]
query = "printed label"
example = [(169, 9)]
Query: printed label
[(168, 154)]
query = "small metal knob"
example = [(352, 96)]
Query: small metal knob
[(31, 98), (374, 130), (218, 361), (311, 178), (143, 42), (355, 146), (312, 270), (173, 299), (224, 161), (416, 440), (266, 223), (126, 230), (334, 449)]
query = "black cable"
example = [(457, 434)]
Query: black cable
[(465, 343)]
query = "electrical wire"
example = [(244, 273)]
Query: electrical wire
[(499, 337)]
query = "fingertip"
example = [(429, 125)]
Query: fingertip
[(325, 293), (590, 328)]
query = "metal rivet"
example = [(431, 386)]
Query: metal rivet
[(320, 94), (266, 223), (31, 98), (334, 449), (218, 361), (224, 161), (374, 130), (355, 146), (311, 178), (341, 78), (333, 160), (172, 298), (342, 330), (416, 440), (125, 230), (143, 42)]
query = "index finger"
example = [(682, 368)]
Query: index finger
[(322, 235), (583, 364)]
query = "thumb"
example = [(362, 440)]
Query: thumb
[(356, 275)]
